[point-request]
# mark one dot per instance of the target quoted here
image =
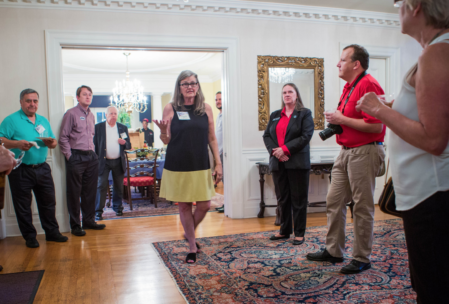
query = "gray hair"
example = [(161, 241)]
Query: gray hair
[(436, 11), (28, 91), (178, 99), (107, 109)]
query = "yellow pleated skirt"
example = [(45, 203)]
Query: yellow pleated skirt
[(186, 187)]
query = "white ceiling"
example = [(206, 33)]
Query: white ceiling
[(157, 70), (385, 6)]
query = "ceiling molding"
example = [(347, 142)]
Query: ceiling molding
[(215, 8)]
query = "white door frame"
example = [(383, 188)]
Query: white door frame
[(55, 40)]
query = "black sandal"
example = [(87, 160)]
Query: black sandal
[(191, 257)]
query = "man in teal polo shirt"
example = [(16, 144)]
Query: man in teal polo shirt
[(19, 132)]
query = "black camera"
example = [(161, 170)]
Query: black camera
[(330, 131)]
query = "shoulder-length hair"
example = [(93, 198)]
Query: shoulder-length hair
[(178, 99), (298, 105)]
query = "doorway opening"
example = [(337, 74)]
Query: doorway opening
[(103, 68)]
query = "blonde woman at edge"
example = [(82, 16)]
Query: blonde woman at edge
[(187, 128), (419, 147)]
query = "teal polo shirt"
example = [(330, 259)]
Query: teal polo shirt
[(17, 126)]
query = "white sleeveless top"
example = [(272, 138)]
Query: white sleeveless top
[(417, 175)]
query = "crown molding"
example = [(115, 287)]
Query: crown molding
[(219, 8)]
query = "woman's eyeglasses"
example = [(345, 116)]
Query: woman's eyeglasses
[(398, 3), (186, 85)]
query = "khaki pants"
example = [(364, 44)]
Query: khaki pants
[(353, 177)]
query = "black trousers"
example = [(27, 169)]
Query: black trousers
[(114, 165), (427, 236), (293, 191), (82, 177), (22, 181)]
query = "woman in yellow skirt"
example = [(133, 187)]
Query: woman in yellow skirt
[(187, 128)]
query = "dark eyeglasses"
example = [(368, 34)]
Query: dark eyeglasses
[(186, 85)]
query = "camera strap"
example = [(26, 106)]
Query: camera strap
[(350, 92)]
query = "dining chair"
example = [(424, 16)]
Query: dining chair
[(144, 179)]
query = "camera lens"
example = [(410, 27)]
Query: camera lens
[(326, 133)]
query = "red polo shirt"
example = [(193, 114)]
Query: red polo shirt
[(281, 130), (351, 137)]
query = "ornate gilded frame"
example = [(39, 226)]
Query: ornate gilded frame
[(263, 84)]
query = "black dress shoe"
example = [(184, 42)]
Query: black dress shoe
[(93, 226), (56, 238), (275, 238), (218, 208), (32, 243), (323, 256), (78, 231), (119, 213), (221, 210), (98, 217), (355, 267), (299, 242)]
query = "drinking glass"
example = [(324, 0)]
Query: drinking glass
[(387, 99), (19, 159)]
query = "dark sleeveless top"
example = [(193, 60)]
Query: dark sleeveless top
[(188, 146)]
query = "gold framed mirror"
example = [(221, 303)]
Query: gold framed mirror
[(308, 75)]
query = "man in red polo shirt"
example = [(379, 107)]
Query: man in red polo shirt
[(356, 167)]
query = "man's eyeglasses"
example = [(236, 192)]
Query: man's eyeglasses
[(186, 85), (398, 3)]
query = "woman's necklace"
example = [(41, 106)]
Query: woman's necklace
[(436, 36)]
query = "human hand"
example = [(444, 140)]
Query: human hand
[(24, 145), (284, 158), (49, 142), (7, 160), (121, 141), (370, 103), (278, 152), (162, 124), (218, 173), (336, 118)]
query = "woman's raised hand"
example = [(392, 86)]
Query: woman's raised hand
[(162, 124)]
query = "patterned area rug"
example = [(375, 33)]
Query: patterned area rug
[(144, 208), (249, 268)]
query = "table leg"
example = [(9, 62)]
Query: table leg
[(262, 203)]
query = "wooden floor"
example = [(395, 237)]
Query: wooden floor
[(118, 264)]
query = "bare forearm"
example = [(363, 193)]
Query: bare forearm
[(214, 146), (362, 126), (10, 144), (411, 131), (165, 138)]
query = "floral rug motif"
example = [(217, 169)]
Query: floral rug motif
[(249, 268), (145, 208)]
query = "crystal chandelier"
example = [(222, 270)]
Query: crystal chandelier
[(128, 94), (281, 75)]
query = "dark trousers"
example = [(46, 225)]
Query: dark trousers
[(427, 236), (22, 181), (82, 178), (293, 192), (114, 165)]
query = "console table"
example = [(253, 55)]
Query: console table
[(316, 168)]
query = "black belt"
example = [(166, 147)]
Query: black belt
[(82, 152), (34, 166), (375, 143)]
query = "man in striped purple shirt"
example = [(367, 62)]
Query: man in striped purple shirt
[(77, 145)]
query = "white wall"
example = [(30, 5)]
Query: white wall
[(23, 62)]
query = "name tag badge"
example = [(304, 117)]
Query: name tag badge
[(276, 119), (183, 115), (40, 129), (83, 118), (123, 135)]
